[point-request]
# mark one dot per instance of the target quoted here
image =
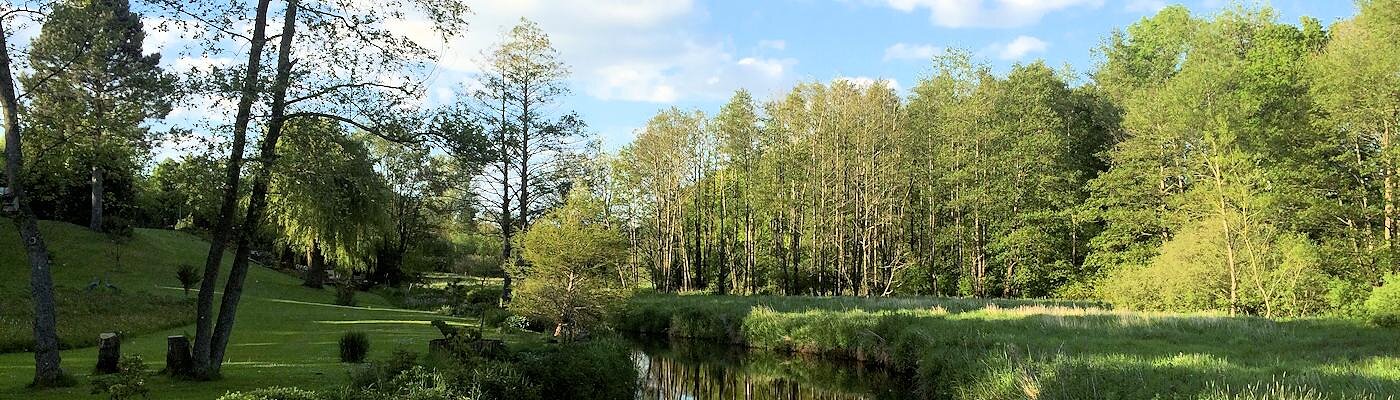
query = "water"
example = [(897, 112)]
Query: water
[(692, 370)]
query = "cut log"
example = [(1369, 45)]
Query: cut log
[(109, 352), (179, 362)]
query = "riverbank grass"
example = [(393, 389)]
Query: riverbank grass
[(1000, 349)]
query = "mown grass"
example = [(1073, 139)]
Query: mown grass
[(973, 349), (286, 334)]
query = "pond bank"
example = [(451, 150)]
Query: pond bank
[(971, 349)]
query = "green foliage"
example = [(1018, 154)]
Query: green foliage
[(273, 393), (178, 194), (129, 382), (188, 276), (595, 369), (91, 93), (1384, 303), (572, 253), (381, 373), (345, 294), (354, 347), (326, 193)]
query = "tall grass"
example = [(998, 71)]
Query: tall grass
[(1000, 349)]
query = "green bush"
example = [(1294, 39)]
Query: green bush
[(354, 346), (495, 317), (484, 295), (345, 294), (128, 383), (188, 276), (382, 372), (273, 393), (598, 369), (1384, 303)]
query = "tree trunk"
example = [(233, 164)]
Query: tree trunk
[(178, 362), (315, 267), (95, 220), (257, 200), (47, 369), (204, 309), (109, 353)]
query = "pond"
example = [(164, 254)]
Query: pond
[(695, 370)]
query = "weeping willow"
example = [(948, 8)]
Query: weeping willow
[(326, 195)]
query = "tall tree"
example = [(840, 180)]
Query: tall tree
[(523, 79), (97, 89), (48, 370)]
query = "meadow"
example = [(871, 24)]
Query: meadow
[(1004, 349)]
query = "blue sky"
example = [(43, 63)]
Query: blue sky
[(632, 58)]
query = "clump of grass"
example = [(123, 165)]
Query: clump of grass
[(354, 347)]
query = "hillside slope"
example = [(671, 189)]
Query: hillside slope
[(286, 333)]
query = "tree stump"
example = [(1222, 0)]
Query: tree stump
[(179, 362), (109, 352)]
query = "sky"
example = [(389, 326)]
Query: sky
[(631, 58)]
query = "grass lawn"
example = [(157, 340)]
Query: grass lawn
[(973, 349), (286, 334)]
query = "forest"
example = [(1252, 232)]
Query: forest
[(1209, 212), (1231, 162)]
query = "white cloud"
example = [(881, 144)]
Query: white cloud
[(775, 44), (772, 68), (997, 14), (907, 51), (631, 50), (1019, 47)]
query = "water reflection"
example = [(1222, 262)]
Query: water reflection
[(692, 370)]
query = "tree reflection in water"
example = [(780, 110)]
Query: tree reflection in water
[(692, 370)]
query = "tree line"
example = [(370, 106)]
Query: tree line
[(1227, 162)]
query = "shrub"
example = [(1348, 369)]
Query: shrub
[(345, 294), (381, 372), (129, 382), (491, 379), (188, 276), (273, 393), (494, 317), (598, 369), (354, 346), (484, 295), (1384, 303)]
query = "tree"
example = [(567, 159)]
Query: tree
[(92, 88), (48, 370), (343, 81), (572, 252), (1357, 87), (524, 77), (326, 199)]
